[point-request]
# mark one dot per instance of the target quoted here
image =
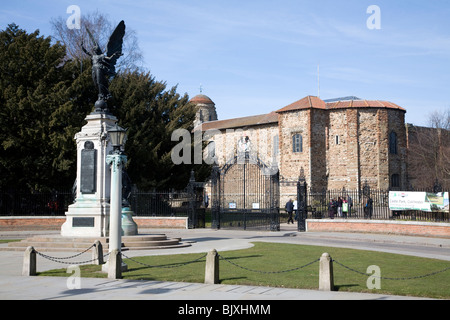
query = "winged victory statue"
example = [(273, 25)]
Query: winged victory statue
[(103, 65)]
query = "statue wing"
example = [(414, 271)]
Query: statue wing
[(115, 43)]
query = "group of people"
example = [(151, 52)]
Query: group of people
[(342, 207)]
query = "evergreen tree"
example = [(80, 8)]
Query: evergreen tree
[(42, 104)]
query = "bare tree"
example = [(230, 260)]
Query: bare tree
[(429, 152), (101, 27)]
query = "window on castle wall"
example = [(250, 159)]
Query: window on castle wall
[(297, 143), (395, 181), (337, 139), (393, 143)]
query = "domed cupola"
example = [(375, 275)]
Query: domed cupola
[(206, 109)]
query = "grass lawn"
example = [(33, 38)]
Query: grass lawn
[(9, 240), (275, 257)]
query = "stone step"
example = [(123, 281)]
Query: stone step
[(59, 243), (133, 244)]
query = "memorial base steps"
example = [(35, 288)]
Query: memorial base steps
[(76, 244)]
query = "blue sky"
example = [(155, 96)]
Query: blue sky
[(254, 57)]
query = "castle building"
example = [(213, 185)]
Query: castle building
[(332, 144)]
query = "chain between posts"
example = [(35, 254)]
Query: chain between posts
[(166, 267), (57, 259), (268, 272), (389, 278)]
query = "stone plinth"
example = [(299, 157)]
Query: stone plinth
[(89, 215)]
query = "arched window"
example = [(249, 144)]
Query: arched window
[(393, 143), (297, 143)]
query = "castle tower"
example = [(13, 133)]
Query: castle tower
[(206, 109)]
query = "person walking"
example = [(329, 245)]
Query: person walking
[(290, 210)]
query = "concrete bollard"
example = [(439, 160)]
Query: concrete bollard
[(326, 279), (29, 262), (97, 253), (115, 265), (212, 267)]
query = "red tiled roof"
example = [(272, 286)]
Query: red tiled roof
[(201, 98), (305, 103), (363, 104), (311, 102)]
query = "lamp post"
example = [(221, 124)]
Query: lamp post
[(117, 160)]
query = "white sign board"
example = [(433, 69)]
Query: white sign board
[(421, 201)]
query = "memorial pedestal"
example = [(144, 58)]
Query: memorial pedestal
[(89, 215)]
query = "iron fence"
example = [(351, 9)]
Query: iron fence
[(20, 203), (180, 204), (160, 203)]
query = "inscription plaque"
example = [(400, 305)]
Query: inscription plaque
[(88, 168), (82, 222)]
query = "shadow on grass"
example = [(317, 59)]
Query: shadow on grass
[(176, 264), (343, 286)]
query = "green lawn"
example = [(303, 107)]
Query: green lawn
[(9, 240), (274, 257)]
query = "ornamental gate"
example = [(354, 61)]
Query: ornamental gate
[(245, 195)]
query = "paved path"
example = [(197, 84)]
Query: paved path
[(14, 286)]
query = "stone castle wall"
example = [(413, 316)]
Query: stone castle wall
[(340, 148)]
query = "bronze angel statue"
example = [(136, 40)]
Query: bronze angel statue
[(103, 65)]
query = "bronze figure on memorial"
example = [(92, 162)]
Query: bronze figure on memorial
[(103, 65)]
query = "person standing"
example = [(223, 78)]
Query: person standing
[(332, 207), (295, 210), (344, 207), (339, 207), (350, 205), (368, 209)]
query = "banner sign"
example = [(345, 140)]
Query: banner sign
[(421, 201)]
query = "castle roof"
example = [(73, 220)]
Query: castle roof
[(363, 104), (201, 99), (305, 103), (311, 102)]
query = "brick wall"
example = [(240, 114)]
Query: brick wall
[(55, 223), (411, 228), (161, 222), (31, 223)]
